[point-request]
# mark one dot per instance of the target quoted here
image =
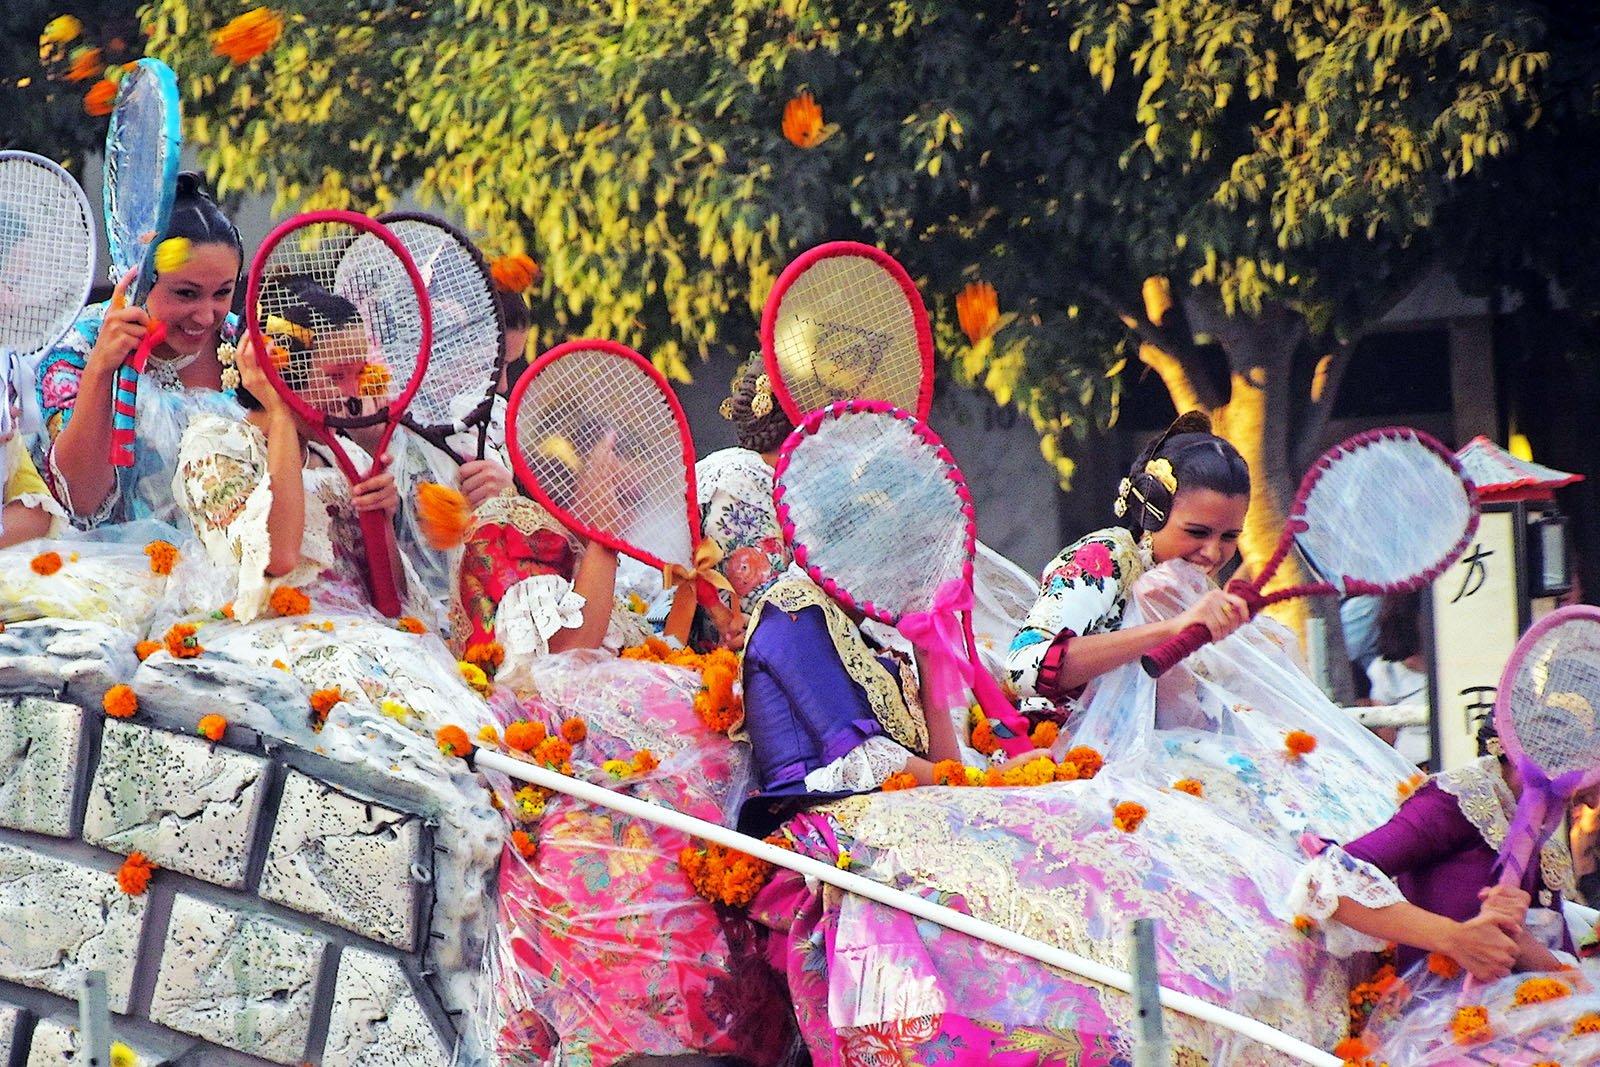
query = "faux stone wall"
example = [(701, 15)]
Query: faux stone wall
[(292, 918)]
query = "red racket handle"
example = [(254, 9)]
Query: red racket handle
[(125, 395), (1174, 650), (377, 532)]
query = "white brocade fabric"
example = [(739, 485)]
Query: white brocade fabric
[(861, 770), (1335, 874)]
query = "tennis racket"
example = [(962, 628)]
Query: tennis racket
[(1385, 511), (468, 332), (845, 322), (46, 262), (141, 178), (880, 516), (597, 436), (337, 304)]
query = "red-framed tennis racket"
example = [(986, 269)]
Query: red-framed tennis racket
[(597, 436), (336, 302), (1385, 511), (845, 322), (880, 516)]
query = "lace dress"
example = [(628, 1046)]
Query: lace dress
[(735, 493)]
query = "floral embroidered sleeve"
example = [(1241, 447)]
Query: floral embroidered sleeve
[(222, 486), (1082, 591)]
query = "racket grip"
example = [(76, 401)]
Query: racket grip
[(125, 396), (377, 533), (1175, 650)]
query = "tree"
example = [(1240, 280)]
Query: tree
[(1132, 179)]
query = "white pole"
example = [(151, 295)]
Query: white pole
[(895, 898)]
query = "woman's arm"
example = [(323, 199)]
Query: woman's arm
[(1089, 656), (596, 581), (22, 522), (286, 515), (1486, 945)]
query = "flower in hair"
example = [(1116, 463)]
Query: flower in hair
[(1120, 508), (172, 254), (761, 403), (1161, 470), (228, 357)]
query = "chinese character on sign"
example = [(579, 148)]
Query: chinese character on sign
[(1479, 704), (1472, 581)]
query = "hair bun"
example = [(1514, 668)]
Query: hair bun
[(1189, 422), (192, 184)]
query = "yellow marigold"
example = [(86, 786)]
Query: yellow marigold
[(486, 655), (453, 741), (1587, 1023), (1127, 816), (974, 775), (1470, 1025), (1034, 772), (949, 772), (644, 761), (123, 1056), (172, 254), (1298, 742), (473, 675), (120, 702), (488, 735), (899, 780), (1443, 965), (162, 556), (98, 100), (802, 121), (86, 63), (1193, 786), (287, 600), (574, 731), (617, 768), (1088, 760), (977, 310), (133, 877), (1045, 734), (181, 641), (530, 801), (1067, 771), (524, 736), (411, 625), (514, 273), (45, 563), (400, 712), (212, 727), (248, 35), (1539, 990), (525, 845), (144, 648)]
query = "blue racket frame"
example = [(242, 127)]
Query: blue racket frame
[(143, 140)]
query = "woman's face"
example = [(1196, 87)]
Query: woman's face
[(1203, 529), (194, 299)]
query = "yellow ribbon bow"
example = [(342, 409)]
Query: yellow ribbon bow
[(707, 554)]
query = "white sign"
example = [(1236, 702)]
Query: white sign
[(1474, 630)]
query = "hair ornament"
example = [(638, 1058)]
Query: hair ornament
[(279, 325), (725, 409), (761, 403), (1120, 508), (228, 356), (1161, 470)]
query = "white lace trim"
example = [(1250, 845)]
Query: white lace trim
[(1333, 875), (528, 616), (863, 768)]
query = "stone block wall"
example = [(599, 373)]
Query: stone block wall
[(291, 920)]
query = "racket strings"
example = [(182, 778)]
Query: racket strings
[(845, 329), (139, 153), (342, 318), (875, 508), (605, 446), (46, 253), (1385, 512), (1554, 699), (466, 331)]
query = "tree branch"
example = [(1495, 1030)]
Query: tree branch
[(1168, 351)]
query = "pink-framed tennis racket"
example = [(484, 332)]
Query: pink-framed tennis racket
[(845, 322), (337, 304), (597, 436), (1385, 511), (879, 515)]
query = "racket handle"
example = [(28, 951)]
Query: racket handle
[(125, 395), (377, 533), (1174, 650)]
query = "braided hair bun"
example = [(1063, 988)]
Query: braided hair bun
[(758, 419), (1187, 456)]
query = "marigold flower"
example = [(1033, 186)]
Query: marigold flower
[(1304, 923), (574, 731), (514, 273), (717, 703), (212, 727), (86, 63), (133, 877), (525, 845), (486, 655), (530, 801), (1193, 786), (983, 738), (1298, 742), (1088, 760), (1034, 772), (554, 752), (899, 780), (1442, 965), (120, 702), (488, 735), (1067, 771), (162, 556), (1045, 734), (287, 600), (992, 777), (226, 611), (524, 736), (723, 875), (400, 711), (144, 648), (98, 100), (248, 35), (802, 121), (45, 563), (617, 768), (473, 675), (1470, 1025), (842, 861), (181, 641), (1352, 1049), (949, 772), (977, 310), (1539, 990), (411, 625), (1127, 816), (123, 1056), (172, 254), (322, 702), (1587, 1023), (453, 741), (374, 381), (644, 761)]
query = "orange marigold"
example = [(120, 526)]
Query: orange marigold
[(1588, 1023), (802, 121), (514, 273), (1304, 923), (97, 101), (287, 600), (453, 741), (1298, 742), (162, 556), (574, 731), (1539, 990), (1088, 760), (133, 877), (1067, 771), (1442, 965), (1352, 1049), (181, 641), (644, 761), (1045, 734), (86, 63), (248, 35), (899, 780), (723, 875), (716, 703), (983, 738), (1193, 786), (120, 702), (526, 847), (322, 702), (46, 563), (993, 777), (977, 310), (1409, 786), (524, 736), (485, 655), (949, 772), (553, 752), (1127, 816), (144, 648), (212, 727), (411, 625), (1471, 1024), (443, 514)]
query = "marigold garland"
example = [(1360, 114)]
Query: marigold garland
[(486, 656), (1193, 786), (1088, 761), (1470, 1025), (248, 35), (120, 702), (723, 875), (1298, 742), (719, 703), (45, 563), (1127, 816), (133, 877), (526, 847), (1045, 734), (949, 772), (163, 556), (1034, 772), (1364, 996), (574, 731), (899, 780), (983, 738), (1540, 990), (410, 624), (287, 600), (1443, 966), (181, 641), (453, 741)]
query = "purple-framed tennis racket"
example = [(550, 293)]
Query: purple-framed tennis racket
[(880, 516)]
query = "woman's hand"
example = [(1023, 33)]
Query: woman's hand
[(253, 378), (1025, 758), (123, 330), (482, 479), (1218, 611), (1483, 946), (377, 493), (595, 498)]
